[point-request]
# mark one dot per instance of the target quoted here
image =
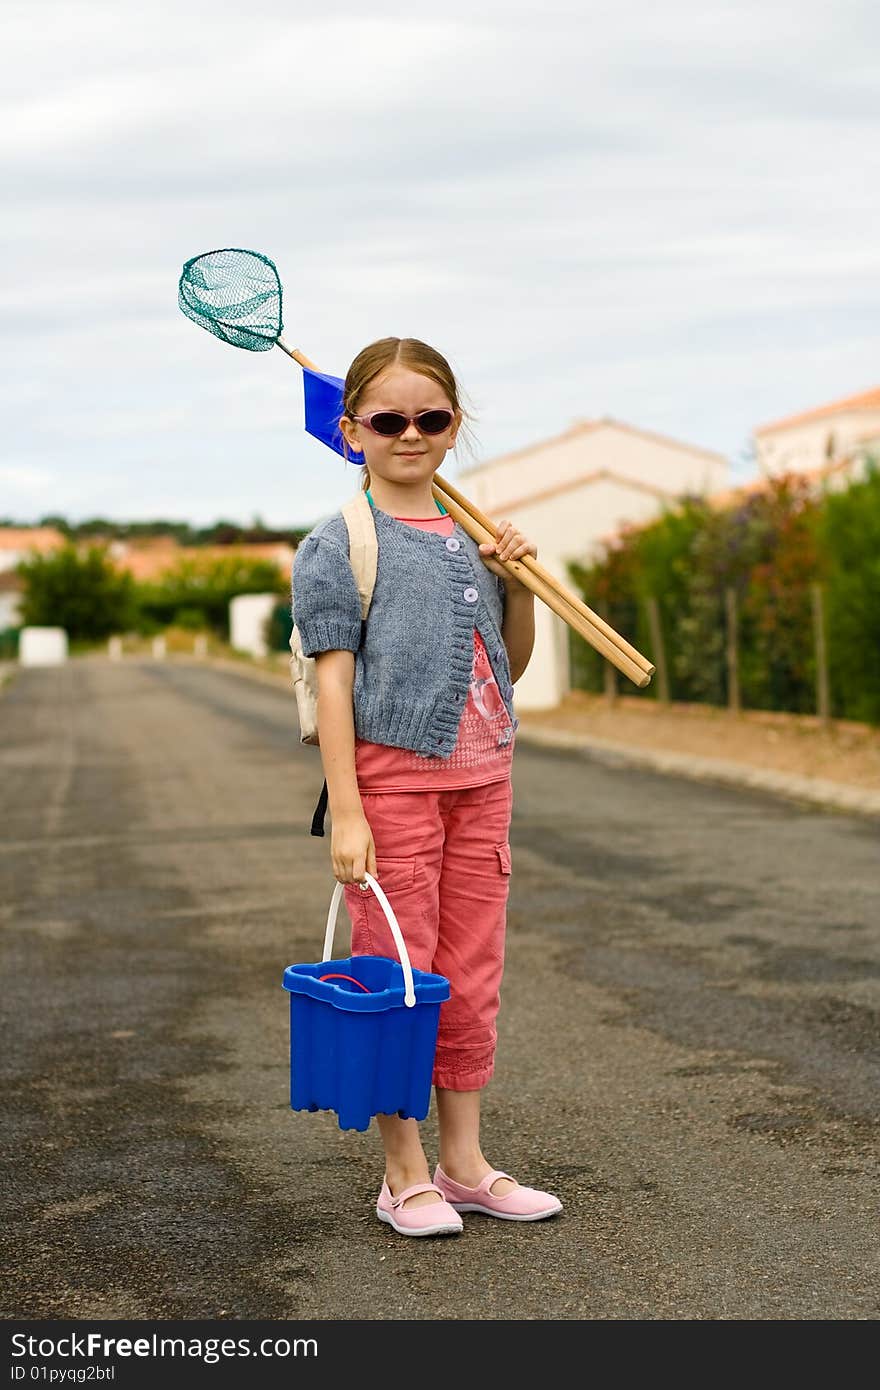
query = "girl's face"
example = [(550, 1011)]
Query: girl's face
[(410, 457)]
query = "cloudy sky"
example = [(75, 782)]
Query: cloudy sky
[(663, 213)]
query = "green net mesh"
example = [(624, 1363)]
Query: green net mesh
[(235, 294)]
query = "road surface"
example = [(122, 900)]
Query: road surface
[(688, 1042)]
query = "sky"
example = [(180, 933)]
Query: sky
[(666, 214)]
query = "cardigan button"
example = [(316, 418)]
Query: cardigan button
[(470, 595), (453, 543)]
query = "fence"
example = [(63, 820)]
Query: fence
[(744, 664)]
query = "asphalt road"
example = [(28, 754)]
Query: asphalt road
[(689, 1048)]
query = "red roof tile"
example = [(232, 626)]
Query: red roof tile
[(40, 538), (863, 400)]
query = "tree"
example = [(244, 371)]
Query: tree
[(850, 535), (81, 592)]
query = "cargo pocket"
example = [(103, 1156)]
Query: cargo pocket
[(503, 852), (497, 893), (398, 880), (395, 875)]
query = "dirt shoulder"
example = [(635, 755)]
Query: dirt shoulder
[(776, 746), (836, 766)]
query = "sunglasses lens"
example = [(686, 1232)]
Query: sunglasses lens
[(434, 421), (388, 422)]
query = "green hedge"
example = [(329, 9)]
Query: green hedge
[(84, 592), (197, 592), (771, 549), (849, 531)]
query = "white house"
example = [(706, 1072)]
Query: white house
[(568, 494), (845, 431)]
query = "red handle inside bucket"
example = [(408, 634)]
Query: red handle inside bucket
[(345, 977)]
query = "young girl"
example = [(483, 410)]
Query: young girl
[(416, 730)]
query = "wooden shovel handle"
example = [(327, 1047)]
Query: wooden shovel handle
[(531, 563), (540, 581), (548, 594)]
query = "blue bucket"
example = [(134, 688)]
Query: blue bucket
[(363, 1030)]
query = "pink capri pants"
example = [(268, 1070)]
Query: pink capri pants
[(443, 860)]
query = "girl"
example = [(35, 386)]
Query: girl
[(416, 726)]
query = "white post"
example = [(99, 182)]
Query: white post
[(114, 648), (159, 647), (42, 646)]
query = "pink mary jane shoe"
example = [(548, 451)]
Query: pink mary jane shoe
[(432, 1219), (520, 1204)]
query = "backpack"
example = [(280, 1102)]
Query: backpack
[(363, 552)]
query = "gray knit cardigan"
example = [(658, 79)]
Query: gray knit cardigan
[(414, 657)]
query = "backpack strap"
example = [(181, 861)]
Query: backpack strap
[(320, 813), (363, 552), (363, 547)]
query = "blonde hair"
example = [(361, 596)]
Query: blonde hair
[(416, 356)]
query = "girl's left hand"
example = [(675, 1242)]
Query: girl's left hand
[(509, 545)]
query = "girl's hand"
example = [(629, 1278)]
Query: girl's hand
[(351, 848), (510, 544)]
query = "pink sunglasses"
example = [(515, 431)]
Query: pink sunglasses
[(391, 422)]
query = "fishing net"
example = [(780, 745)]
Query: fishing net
[(234, 294)]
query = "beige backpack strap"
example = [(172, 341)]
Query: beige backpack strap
[(363, 548)]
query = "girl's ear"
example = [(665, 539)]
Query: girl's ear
[(350, 433)]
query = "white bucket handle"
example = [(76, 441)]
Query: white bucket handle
[(409, 993)]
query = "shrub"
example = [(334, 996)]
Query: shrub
[(770, 549), (82, 592), (850, 536)]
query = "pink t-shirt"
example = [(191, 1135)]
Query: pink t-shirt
[(483, 751)]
